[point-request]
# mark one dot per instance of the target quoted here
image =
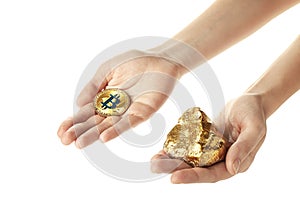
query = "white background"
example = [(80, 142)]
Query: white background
[(45, 46)]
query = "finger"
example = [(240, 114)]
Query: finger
[(123, 125), (246, 142), (89, 137), (137, 114), (160, 155), (84, 113), (65, 125), (92, 135), (250, 158), (161, 163), (68, 137), (73, 133), (167, 165), (68, 134), (211, 174), (86, 125)]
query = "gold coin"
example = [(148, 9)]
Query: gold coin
[(111, 102)]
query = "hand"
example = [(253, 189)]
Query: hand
[(245, 127), (147, 80)]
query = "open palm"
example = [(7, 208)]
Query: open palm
[(245, 127), (148, 80)]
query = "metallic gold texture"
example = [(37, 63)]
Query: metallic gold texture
[(111, 102), (195, 140)]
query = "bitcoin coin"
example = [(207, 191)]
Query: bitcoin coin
[(111, 102)]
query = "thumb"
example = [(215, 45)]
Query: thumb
[(90, 91), (247, 141)]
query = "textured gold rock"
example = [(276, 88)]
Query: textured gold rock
[(111, 102), (195, 140)]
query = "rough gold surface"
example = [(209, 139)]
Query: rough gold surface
[(195, 140), (111, 102)]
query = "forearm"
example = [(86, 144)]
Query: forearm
[(280, 81), (228, 21), (223, 24)]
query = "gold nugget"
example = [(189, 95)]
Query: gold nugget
[(195, 140), (111, 102)]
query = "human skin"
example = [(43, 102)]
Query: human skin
[(245, 122), (223, 24), (227, 22), (147, 80)]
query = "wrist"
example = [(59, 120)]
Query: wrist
[(186, 57), (260, 98), (267, 96), (154, 62), (280, 81), (170, 67)]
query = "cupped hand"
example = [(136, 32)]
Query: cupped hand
[(245, 127), (148, 80)]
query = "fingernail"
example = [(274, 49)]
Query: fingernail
[(175, 179), (78, 144), (236, 166), (102, 139), (154, 167)]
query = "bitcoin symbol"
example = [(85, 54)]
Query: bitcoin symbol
[(111, 102), (113, 99)]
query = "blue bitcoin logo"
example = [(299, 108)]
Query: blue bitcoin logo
[(113, 100)]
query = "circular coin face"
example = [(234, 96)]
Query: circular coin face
[(111, 102)]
